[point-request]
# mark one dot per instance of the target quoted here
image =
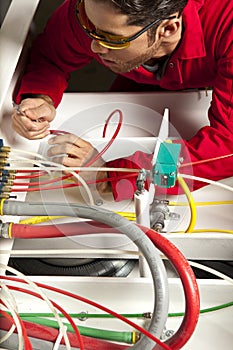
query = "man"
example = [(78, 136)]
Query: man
[(168, 44)]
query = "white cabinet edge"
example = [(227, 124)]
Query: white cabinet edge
[(13, 33)]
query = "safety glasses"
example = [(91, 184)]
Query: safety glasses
[(110, 41)]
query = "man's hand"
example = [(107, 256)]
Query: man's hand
[(72, 151), (31, 119)]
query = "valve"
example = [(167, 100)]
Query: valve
[(159, 212)]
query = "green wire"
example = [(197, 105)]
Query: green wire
[(203, 311), (139, 315), (125, 337), (81, 316)]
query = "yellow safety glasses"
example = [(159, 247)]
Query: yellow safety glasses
[(110, 41)]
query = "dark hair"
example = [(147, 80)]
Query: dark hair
[(142, 12)]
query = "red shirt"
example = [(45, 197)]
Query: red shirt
[(204, 58)]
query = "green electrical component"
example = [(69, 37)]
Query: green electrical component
[(164, 172)]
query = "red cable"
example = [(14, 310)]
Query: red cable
[(112, 138), (42, 182), (75, 328), (58, 132), (96, 305), (39, 173), (119, 123), (68, 185), (164, 245)]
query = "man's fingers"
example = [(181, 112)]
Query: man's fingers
[(37, 109), (71, 150), (30, 130), (69, 139), (68, 161)]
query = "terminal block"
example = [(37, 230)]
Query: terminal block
[(164, 171)]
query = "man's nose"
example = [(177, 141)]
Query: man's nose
[(96, 47)]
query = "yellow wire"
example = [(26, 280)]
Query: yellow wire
[(1, 206), (202, 230), (38, 219), (191, 202), (201, 203), (10, 230), (213, 230)]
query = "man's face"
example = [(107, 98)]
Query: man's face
[(105, 18)]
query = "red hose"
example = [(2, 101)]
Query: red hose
[(185, 272), (59, 230), (50, 334)]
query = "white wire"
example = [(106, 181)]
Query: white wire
[(10, 296), (44, 297), (59, 338), (16, 320), (211, 182), (87, 189), (33, 154), (60, 167), (14, 305), (211, 270), (26, 160)]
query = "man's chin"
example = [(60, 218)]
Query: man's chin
[(121, 70)]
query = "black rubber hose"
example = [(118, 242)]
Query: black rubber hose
[(97, 267)]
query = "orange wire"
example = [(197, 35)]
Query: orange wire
[(206, 160)]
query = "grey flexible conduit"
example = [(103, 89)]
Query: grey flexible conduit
[(149, 251)]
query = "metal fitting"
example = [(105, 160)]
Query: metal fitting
[(5, 149), (159, 213), (141, 179), (5, 195), (4, 229), (147, 315), (4, 154), (83, 316)]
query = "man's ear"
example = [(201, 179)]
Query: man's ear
[(169, 27)]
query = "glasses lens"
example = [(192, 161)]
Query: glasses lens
[(113, 46), (107, 40)]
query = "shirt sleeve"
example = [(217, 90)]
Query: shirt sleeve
[(62, 48)]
